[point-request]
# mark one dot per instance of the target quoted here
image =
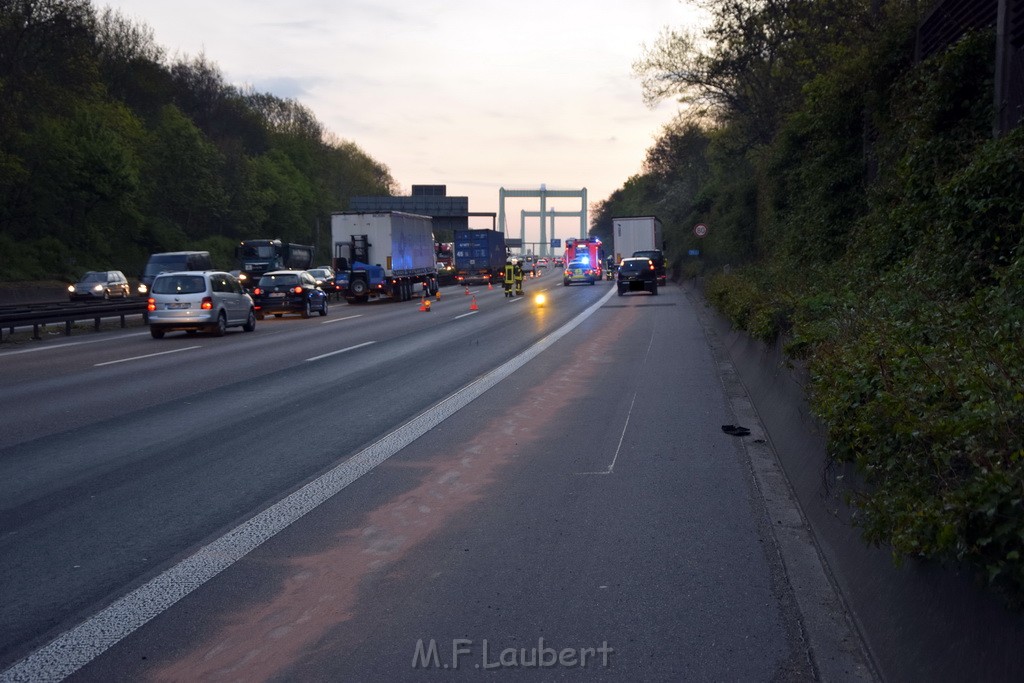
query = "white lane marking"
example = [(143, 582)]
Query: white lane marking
[(463, 315), (69, 344), (622, 437), (75, 648), (345, 350), (628, 414), (148, 355), (338, 320)]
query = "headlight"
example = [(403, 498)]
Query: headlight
[(71, 288), (97, 288), (540, 299), (143, 289)]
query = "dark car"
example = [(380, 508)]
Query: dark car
[(100, 284), (658, 257), (172, 262), (288, 291), (324, 277), (637, 275)]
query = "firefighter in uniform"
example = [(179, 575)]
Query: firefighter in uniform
[(518, 274), (509, 280)]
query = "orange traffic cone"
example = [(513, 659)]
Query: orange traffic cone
[(437, 295), (425, 304), (472, 304), (489, 285), (467, 290)]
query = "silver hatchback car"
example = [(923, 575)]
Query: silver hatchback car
[(198, 300)]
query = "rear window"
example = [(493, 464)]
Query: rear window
[(634, 266), (179, 284), (284, 279)]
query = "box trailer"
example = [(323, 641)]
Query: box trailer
[(386, 254)]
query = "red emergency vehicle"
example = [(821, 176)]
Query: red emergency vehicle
[(588, 249)]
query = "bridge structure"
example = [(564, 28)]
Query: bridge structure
[(551, 214), (542, 193)]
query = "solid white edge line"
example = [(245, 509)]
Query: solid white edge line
[(148, 355), (78, 646), (345, 350)]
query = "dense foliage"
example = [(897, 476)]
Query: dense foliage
[(109, 151), (861, 211)]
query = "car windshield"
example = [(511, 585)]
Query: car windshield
[(179, 284), (94, 277), (282, 279), (633, 266), (578, 264), (163, 264), (316, 272)]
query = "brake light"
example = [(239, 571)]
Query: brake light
[(150, 304), (257, 291), (207, 303), (297, 290)]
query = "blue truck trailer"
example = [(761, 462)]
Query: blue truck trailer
[(480, 256)]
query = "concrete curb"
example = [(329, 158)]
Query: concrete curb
[(836, 649)]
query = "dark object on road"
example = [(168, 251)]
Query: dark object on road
[(735, 430)]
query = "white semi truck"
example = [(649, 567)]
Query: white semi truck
[(386, 254), (640, 236)]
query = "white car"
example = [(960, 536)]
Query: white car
[(198, 300)]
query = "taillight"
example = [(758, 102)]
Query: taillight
[(257, 291), (150, 304), (298, 290), (207, 303)]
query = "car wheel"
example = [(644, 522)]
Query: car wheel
[(621, 291), (359, 287), (323, 308), (259, 316), (250, 322), (278, 315), (155, 333), (654, 289), (306, 312), (222, 325)]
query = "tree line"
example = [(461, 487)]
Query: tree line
[(862, 214), (110, 150)]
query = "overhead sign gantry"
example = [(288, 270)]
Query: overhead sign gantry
[(543, 193)]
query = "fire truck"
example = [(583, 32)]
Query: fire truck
[(588, 249)]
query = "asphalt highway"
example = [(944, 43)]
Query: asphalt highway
[(390, 494)]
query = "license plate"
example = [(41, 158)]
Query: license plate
[(178, 306), (276, 295)]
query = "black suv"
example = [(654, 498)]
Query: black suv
[(637, 275), (658, 257)]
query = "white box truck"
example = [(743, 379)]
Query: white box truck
[(640, 236), (386, 254)]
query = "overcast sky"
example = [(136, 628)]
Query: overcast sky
[(472, 94)]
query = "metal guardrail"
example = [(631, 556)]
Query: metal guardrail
[(37, 315)]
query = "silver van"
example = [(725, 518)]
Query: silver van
[(198, 300)]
